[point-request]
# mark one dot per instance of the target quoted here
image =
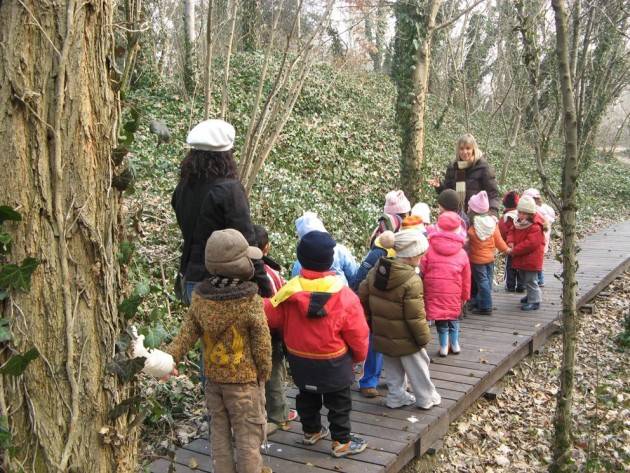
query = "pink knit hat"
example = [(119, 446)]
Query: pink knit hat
[(396, 203), (478, 203), (531, 192), (449, 222)]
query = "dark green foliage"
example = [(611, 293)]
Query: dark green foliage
[(129, 306), (5, 433), (126, 250), (125, 368), (16, 364), (5, 333), (131, 404), (13, 276), (623, 339), (154, 335), (7, 213)]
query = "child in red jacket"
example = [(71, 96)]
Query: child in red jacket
[(510, 215), (324, 331), (527, 241)]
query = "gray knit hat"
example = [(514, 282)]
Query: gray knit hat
[(228, 254)]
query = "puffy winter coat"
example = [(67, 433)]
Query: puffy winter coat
[(484, 237), (446, 276), (323, 327), (372, 258), (344, 265), (529, 245), (479, 177), (392, 296), (203, 207), (231, 324)]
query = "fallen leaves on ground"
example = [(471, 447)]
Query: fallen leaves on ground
[(514, 433)]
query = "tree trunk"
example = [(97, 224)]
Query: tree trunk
[(189, 46), (251, 22), (58, 123), (208, 69), (414, 33), (562, 457)]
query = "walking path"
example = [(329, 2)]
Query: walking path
[(491, 346)]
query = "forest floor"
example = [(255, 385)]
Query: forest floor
[(514, 433)]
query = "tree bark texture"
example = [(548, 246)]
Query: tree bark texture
[(415, 25), (58, 123), (190, 79), (251, 22), (562, 457)]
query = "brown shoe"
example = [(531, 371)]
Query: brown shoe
[(369, 392)]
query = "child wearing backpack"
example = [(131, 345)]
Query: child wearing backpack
[(484, 238), (527, 240), (325, 332), (392, 296), (279, 415), (446, 276), (227, 314)]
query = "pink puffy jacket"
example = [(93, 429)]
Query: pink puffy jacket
[(446, 276)]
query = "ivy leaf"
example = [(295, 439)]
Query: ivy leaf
[(13, 276), (125, 368), (5, 242), (7, 213), (5, 333), (5, 433), (124, 407), (16, 365), (154, 336), (129, 307)]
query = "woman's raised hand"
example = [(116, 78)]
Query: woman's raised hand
[(434, 182)]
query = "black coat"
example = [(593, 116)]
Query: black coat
[(479, 177), (205, 207)]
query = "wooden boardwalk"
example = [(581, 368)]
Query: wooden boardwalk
[(491, 346)]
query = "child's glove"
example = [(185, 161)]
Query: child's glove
[(157, 363), (357, 368)]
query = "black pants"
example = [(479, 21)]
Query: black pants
[(339, 405), (512, 280)]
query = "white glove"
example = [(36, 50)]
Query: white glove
[(158, 363)]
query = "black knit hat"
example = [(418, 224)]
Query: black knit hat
[(449, 199), (316, 251), (510, 200)]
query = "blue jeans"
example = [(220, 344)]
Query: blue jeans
[(541, 278), (512, 281), (483, 275), (372, 368), (447, 327)]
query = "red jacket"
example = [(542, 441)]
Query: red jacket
[(529, 245), (446, 276), (324, 330), (506, 222)]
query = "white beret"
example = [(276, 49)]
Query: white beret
[(212, 135)]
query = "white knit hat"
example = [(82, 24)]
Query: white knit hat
[(531, 192), (423, 211), (307, 223), (212, 135), (526, 205), (409, 244), (396, 203)]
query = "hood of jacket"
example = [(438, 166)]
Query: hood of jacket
[(446, 243), (484, 226), (391, 273)]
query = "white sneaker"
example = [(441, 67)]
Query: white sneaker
[(455, 348), (443, 350), (395, 403)]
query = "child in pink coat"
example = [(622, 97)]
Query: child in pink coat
[(446, 275)]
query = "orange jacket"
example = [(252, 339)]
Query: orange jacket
[(482, 251)]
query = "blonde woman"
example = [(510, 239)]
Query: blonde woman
[(469, 174)]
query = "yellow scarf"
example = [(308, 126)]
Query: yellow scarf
[(330, 284)]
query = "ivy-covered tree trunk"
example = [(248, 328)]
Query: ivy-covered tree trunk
[(562, 457), (251, 23), (190, 77), (58, 122), (415, 24)]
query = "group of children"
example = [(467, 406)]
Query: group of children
[(335, 321)]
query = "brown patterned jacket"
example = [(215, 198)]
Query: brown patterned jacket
[(232, 326)]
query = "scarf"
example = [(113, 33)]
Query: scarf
[(484, 226), (221, 281), (522, 225), (460, 180), (329, 284)]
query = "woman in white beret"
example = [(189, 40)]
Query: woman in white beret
[(209, 197)]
